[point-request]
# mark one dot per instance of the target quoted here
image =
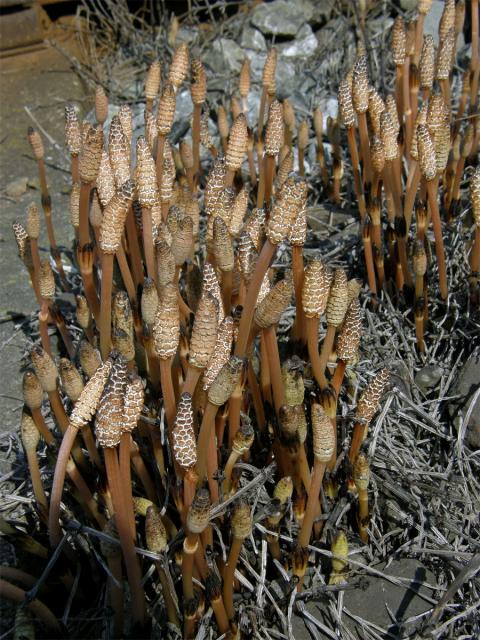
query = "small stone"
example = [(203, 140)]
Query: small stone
[(304, 45), (402, 376), (381, 599), (320, 217), (281, 17), (17, 187), (183, 113), (428, 377), (33, 183), (287, 79), (186, 34), (257, 61), (466, 386), (224, 55), (253, 39), (322, 12), (409, 5)]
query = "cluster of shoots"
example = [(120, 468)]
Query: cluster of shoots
[(180, 376), (410, 151)]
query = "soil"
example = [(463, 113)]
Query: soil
[(42, 82)]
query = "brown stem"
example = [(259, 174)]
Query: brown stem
[(407, 111), (312, 503), (365, 147), (105, 326), (269, 176), (379, 265), (301, 161), (402, 252), (386, 181), (125, 474), (193, 375), (35, 285), (121, 519), (63, 331), (327, 347), (197, 114), (36, 479), (368, 253), (227, 284), (358, 436), (261, 182), (148, 243), (126, 275), (475, 253), (168, 391), (229, 177), (167, 595), (85, 261), (36, 606), (42, 426), (47, 210), (206, 428), (418, 37), (159, 159), (83, 231), (191, 179), (432, 188), (142, 472), (153, 367), (338, 376), (190, 546), (475, 35), (58, 410), (228, 577), (190, 480), (133, 247), (337, 177), (266, 255), (61, 468), (357, 179), (303, 468), (298, 329), (89, 442), (413, 181), (265, 379), (398, 90), (35, 257), (220, 616), (391, 180), (227, 471), (43, 327), (234, 408), (212, 467), (256, 397), (270, 337), (261, 113), (475, 75), (419, 328), (455, 190), (312, 343), (445, 87), (363, 514)]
